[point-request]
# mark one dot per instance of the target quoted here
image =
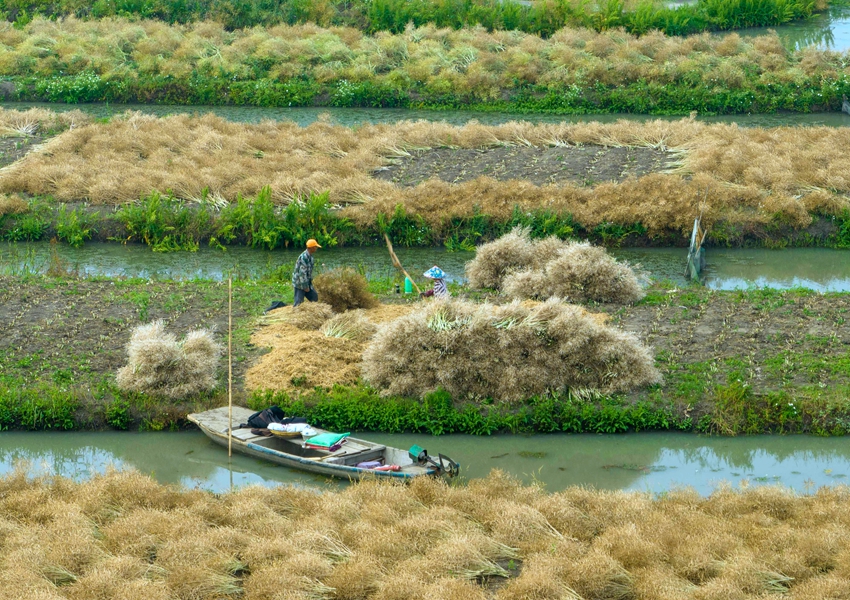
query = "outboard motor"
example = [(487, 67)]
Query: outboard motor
[(443, 464)]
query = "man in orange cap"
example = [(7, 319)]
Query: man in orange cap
[(302, 277)]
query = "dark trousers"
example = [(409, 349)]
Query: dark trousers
[(312, 296)]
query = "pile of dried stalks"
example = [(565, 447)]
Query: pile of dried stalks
[(35, 121), (540, 269), (508, 353), (12, 205), (159, 365), (325, 354), (344, 289), (121, 535), (747, 176)]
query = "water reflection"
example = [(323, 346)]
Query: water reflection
[(646, 461), (727, 269)]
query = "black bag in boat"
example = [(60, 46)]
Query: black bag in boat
[(272, 414)]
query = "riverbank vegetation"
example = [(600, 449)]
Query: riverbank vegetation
[(573, 71), (122, 534), (543, 18), (206, 180), (731, 363)]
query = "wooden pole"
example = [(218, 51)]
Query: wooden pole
[(397, 263), (229, 366)]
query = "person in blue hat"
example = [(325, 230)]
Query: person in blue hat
[(440, 290)]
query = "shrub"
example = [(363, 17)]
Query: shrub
[(159, 365), (507, 353), (344, 289)]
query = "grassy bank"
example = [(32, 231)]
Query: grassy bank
[(124, 535), (572, 71), (275, 184), (732, 363), (543, 18)]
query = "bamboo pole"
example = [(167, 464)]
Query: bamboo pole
[(229, 366), (397, 262)]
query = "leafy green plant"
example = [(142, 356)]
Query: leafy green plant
[(74, 226)]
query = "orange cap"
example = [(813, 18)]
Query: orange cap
[(311, 243)]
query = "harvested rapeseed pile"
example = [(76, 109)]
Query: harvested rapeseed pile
[(162, 366), (307, 315), (507, 353), (344, 289), (540, 269), (324, 356), (12, 205), (121, 535)]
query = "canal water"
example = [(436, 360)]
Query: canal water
[(352, 117), (818, 269), (652, 462)]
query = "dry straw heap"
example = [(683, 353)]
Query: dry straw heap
[(123, 536), (507, 353), (745, 176), (311, 346), (540, 269), (160, 365), (344, 289)]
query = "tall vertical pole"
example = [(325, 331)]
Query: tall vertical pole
[(229, 365)]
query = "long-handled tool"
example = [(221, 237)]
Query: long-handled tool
[(397, 263)]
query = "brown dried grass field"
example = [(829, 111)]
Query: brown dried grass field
[(738, 175), (124, 536)]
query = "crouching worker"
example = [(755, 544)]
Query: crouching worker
[(302, 276), (440, 290)]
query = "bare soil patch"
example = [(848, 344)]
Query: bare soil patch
[(13, 148), (584, 164)]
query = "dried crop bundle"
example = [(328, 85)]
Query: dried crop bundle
[(308, 315), (578, 272), (162, 366), (507, 353), (540, 269), (350, 325), (344, 289), (12, 205)]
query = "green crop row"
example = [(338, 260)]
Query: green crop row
[(166, 224), (543, 18)]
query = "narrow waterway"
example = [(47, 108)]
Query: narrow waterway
[(352, 117), (649, 462), (819, 269)]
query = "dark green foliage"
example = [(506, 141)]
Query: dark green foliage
[(75, 226), (542, 18)]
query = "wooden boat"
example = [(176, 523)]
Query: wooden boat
[(290, 452)]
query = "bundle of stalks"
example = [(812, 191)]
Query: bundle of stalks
[(39, 121), (12, 204), (306, 316), (508, 353), (541, 269), (161, 366), (351, 325), (344, 289)]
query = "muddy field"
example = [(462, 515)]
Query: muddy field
[(585, 165), (74, 332)]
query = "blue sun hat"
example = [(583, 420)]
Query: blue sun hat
[(435, 272)]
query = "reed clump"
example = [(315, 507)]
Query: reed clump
[(523, 268), (160, 365), (344, 289), (121, 535), (507, 353)]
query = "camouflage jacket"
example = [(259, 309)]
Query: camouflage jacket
[(302, 277)]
